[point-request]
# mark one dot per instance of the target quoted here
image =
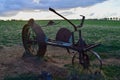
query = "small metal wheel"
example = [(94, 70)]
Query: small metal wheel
[(33, 39), (88, 64), (64, 35)]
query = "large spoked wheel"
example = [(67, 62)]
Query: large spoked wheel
[(89, 64), (33, 40), (29, 41)]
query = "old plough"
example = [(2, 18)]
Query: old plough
[(35, 43)]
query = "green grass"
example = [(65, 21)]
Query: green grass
[(112, 72), (10, 32), (29, 76), (25, 76), (106, 32)]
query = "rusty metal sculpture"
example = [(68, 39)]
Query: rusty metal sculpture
[(35, 42), (50, 23)]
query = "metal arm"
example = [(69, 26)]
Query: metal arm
[(83, 19), (75, 28)]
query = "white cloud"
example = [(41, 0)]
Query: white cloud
[(36, 1), (18, 5), (109, 8)]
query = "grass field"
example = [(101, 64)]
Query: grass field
[(103, 31)]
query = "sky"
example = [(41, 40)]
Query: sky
[(72, 9)]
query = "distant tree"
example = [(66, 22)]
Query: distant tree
[(13, 20), (110, 18), (104, 18), (114, 18), (117, 18)]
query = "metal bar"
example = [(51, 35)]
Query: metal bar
[(80, 34), (73, 40), (83, 19), (92, 46)]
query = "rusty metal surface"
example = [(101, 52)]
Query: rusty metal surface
[(51, 22), (63, 35), (83, 61), (39, 38)]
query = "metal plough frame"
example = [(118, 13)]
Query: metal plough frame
[(35, 41)]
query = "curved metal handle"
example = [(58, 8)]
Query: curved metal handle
[(75, 28), (51, 9), (83, 19)]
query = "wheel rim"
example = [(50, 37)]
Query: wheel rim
[(33, 39), (93, 65), (29, 41)]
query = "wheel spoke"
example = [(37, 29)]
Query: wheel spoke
[(30, 41)]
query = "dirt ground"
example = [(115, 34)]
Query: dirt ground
[(12, 63)]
